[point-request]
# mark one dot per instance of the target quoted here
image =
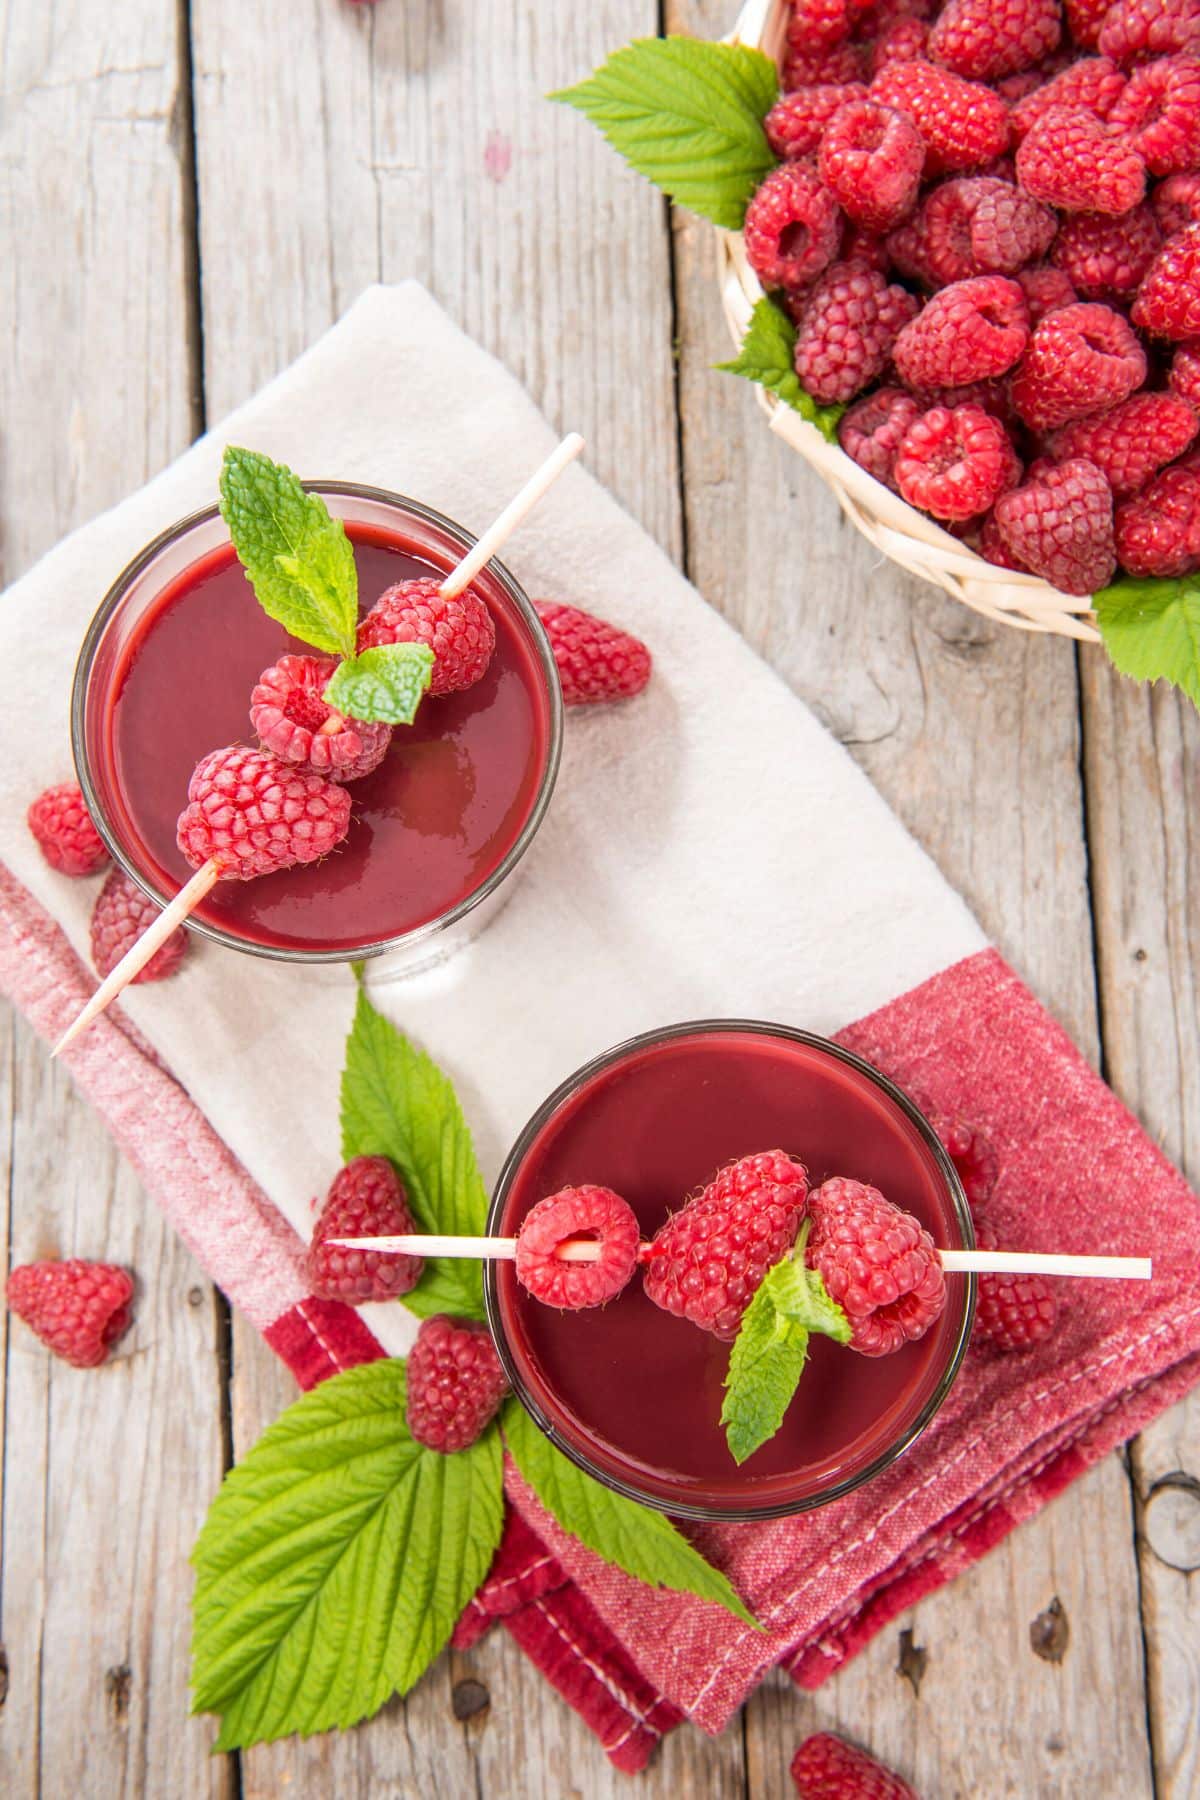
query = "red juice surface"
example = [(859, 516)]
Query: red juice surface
[(428, 827), (636, 1391)]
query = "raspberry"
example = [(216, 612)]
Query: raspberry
[(256, 814), (78, 1309), (792, 226), (993, 548), (962, 123), (596, 661), (872, 431), (365, 1199), (1168, 301), (455, 1383), (955, 462), (1080, 359), (820, 65), (1176, 203), (1095, 84), (967, 332), (708, 1259), (591, 1212), (66, 837), (863, 247), (976, 225), (120, 916), (992, 396), (871, 159), (1012, 1312), (1137, 28), (849, 323), (1070, 159), (877, 1262), (826, 1768), (1158, 531), (795, 124), (1107, 257), (1160, 114), (1045, 290), (904, 40), (1131, 442), (1060, 525), (1184, 378), (972, 1156), (459, 631), (1084, 19), (984, 39), (295, 723), (822, 22)]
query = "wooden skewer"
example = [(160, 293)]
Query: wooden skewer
[(524, 502), (138, 955), (980, 1262)]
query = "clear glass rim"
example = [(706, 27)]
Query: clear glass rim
[(520, 1149), (282, 953)]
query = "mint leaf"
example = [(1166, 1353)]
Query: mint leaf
[(396, 1102), (766, 357), (636, 1538), (688, 115), (299, 559), (1151, 629), (335, 1561), (385, 683), (771, 1349)]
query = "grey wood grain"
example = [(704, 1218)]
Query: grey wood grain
[(106, 1472)]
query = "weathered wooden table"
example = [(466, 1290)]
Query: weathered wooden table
[(189, 194)]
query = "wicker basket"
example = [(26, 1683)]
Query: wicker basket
[(902, 533)]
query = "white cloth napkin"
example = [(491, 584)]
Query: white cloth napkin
[(710, 851)]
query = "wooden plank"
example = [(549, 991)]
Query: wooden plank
[(107, 1472), (971, 731), (1143, 751)]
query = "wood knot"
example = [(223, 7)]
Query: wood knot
[(195, 1296), (3, 1675), (1050, 1632), (469, 1698), (117, 1685), (1171, 1521), (912, 1660)]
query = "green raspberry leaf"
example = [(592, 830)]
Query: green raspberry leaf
[(771, 1349), (766, 356), (688, 115), (384, 684), (335, 1561), (299, 559), (396, 1102), (1151, 629), (636, 1538)]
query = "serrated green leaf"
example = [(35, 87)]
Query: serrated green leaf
[(383, 685), (1151, 629), (636, 1538), (771, 1349), (766, 356), (299, 560), (335, 1561), (688, 115), (396, 1102)]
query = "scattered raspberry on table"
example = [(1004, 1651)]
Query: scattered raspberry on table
[(596, 661), (61, 824), (1012, 1312), (78, 1309), (366, 1199), (121, 914), (827, 1768), (455, 1383)]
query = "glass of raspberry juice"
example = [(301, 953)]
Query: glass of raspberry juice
[(632, 1393), (165, 675)]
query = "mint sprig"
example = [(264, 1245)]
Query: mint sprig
[(396, 1102), (1151, 629), (766, 356), (637, 1539), (335, 1561), (771, 1349), (298, 558), (383, 684), (688, 115)]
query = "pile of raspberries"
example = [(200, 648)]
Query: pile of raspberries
[(985, 225)]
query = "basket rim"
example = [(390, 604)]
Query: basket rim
[(899, 531)]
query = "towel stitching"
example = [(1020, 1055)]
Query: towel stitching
[(330, 1352), (624, 1701)]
